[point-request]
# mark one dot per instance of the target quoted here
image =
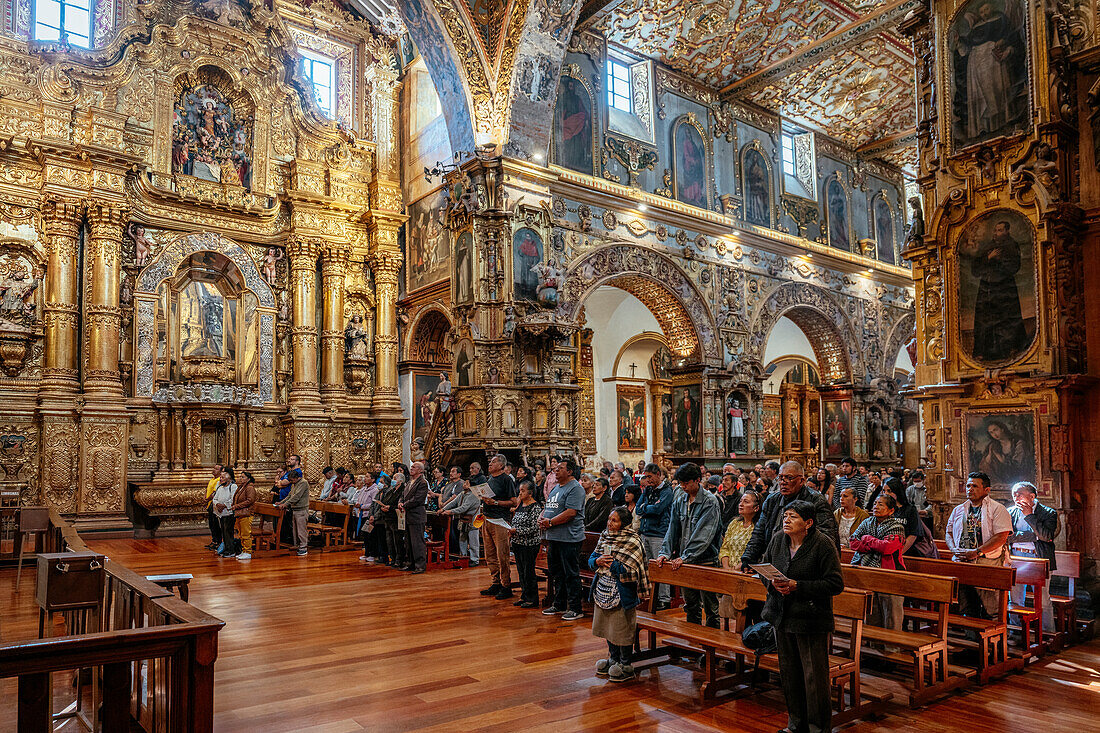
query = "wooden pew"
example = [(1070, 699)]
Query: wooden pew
[(928, 647), (1033, 573), (334, 537), (993, 657), (439, 554), (267, 530), (725, 643), (1065, 607)]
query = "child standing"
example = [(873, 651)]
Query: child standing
[(620, 585)]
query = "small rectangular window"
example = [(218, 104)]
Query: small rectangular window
[(788, 153), (69, 18), (321, 72), (618, 85)]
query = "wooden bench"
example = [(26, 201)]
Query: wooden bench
[(993, 657), (439, 554), (268, 529), (928, 647), (333, 537), (542, 566), (1033, 573), (177, 582), (725, 643), (1065, 607)]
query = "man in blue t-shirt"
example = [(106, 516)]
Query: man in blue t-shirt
[(562, 523)]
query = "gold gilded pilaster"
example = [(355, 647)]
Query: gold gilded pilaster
[(385, 264), (302, 255), (334, 265), (103, 319), (61, 220)]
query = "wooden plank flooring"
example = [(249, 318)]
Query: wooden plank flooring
[(325, 643)]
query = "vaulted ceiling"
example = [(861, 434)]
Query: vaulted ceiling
[(835, 65)]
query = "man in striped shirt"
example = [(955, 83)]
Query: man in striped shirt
[(848, 475)]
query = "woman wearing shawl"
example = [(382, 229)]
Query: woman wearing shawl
[(877, 543), (620, 585)]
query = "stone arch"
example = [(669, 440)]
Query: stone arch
[(659, 284), (428, 338), (903, 331), (163, 266), (822, 320)]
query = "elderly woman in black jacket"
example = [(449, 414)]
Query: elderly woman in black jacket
[(801, 611)]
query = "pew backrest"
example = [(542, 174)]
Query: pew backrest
[(922, 586)]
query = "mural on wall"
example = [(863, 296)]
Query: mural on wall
[(987, 46), (428, 259), (425, 402), (884, 229), (631, 417), (1002, 445), (464, 268), (997, 299), (772, 424), (527, 251), (210, 140), (836, 213), (573, 132), (687, 422), (838, 421), (737, 417), (757, 187), (690, 165)]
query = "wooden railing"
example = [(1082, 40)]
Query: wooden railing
[(150, 655)]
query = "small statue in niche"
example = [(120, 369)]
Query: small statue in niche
[(551, 278), (271, 259), (876, 434), (126, 291), (509, 321), (143, 245), (355, 338), (16, 306), (1043, 173), (284, 307), (916, 226)]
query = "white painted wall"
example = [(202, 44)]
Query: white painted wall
[(615, 317)]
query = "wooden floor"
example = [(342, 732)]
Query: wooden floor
[(325, 643)]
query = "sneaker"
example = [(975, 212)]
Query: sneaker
[(370, 559), (245, 556), (520, 602), (620, 673), (572, 616), (504, 594), (492, 590), (474, 564), (551, 611), (303, 553), (602, 666), (528, 604)]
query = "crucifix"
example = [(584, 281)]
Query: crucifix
[(632, 368)]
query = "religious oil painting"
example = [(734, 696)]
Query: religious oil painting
[(757, 187), (667, 421), (464, 268), (631, 417), (687, 422), (987, 51), (201, 320), (464, 363), (210, 139), (429, 258), (997, 301), (838, 422), (690, 156), (836, 215), (771, 422), (573, 132), (425, 402), (527, 251), (1002, 445), (884, 229)]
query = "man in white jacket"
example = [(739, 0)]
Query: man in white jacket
[(977, 532)]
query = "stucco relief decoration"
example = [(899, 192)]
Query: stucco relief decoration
[(619, 260), (211, 131)]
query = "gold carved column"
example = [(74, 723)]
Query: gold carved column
[(334, 265), (302, 256), (103, 319), (385, 264)]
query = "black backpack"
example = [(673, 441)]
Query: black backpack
[(760, 637)]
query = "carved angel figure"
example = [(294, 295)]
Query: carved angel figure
[(143, 245), (15, 296), (550, 281), (355, 337), (271, 259)]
